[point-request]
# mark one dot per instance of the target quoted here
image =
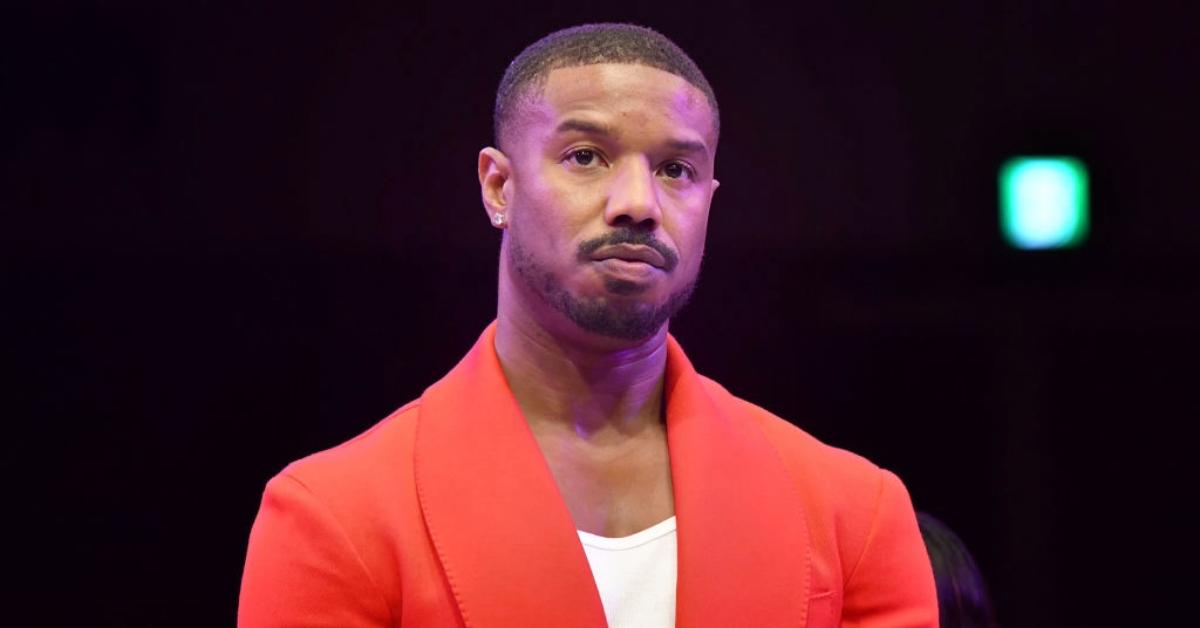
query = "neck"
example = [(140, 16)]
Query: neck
[(598, 390)]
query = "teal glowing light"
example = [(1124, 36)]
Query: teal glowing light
[(1043, 202)]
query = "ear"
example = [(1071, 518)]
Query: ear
[(495, 176), (715, 184)]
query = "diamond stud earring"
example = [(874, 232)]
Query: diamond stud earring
[(498, 219)]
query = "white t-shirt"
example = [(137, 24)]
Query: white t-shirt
[(635, 575)]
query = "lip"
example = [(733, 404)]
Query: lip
[(630, 253), (626, 270)]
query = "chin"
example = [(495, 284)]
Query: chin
[(615, 306), (625, 288), (631, 316)]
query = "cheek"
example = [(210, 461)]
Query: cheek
[(695, 255), (570, 197), (559, 212), (689, 227), (541, 224)]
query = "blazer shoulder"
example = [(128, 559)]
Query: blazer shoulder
[(860, 517), (385, 446), (323, 545)]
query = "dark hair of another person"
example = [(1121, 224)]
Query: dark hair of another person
[(962, 596), (587, 45)]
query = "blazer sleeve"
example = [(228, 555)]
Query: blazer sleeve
[(301, 568), (892, 582)]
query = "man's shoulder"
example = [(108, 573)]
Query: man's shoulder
[(382, 453), (815, 462)]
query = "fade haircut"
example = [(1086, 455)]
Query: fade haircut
[(590, 44)]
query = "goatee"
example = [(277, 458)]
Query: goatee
[(626, 319)]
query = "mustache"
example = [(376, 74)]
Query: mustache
[(625, 235)]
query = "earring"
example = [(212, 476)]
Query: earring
[(499, 220)]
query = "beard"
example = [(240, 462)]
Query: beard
[(626, 319)]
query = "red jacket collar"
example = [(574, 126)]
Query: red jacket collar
[(508, 545)]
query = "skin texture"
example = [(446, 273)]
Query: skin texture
[(602, 153)]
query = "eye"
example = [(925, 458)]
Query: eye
[(583, 157), (678, 170)]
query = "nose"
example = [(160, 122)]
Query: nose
[(633, 197)]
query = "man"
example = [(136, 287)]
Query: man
[(573, 469)]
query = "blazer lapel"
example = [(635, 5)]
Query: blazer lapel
[(509, 548), (504, 536), (743, 543)]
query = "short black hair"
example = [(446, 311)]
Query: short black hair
[(589, 44), (962, 594)]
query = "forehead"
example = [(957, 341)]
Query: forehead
[(623, 96)]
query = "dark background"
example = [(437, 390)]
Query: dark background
[(237, 235)]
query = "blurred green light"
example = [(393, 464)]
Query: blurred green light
[(1043, 202)]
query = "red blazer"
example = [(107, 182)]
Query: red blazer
[(445, 514)]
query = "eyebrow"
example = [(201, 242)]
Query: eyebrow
[(688, 146), (583, 126), (571, 124)]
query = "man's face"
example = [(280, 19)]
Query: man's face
[(611, 185)]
